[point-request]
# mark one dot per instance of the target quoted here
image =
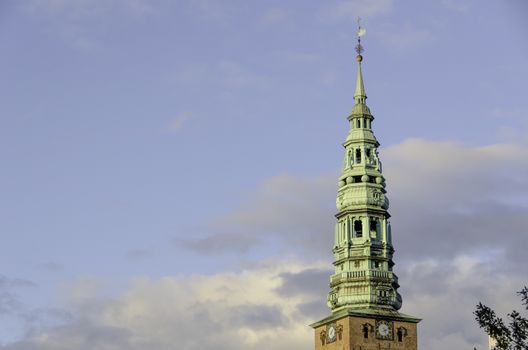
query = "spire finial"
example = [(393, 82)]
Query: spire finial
[(359, 49), (360, 95)]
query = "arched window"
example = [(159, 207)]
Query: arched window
[(374, 229), (365, 331), (358, 228), (358, 156), (400, 335), (358, 124)]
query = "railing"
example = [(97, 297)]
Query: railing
[(362, 274)]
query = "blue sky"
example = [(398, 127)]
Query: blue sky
[(166, 152)]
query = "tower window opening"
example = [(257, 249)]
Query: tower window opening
[(367, 152), (365, 331), (373, 229), (358, 124), (358, 228), (376, 264), (358, 156), (400, 335)]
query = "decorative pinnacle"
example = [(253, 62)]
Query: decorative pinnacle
[(359, 49), (360, 95)]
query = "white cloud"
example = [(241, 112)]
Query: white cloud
[(269, 306), (459, 224), (231, 310), (446, 192), (445, 292), (442, 192)]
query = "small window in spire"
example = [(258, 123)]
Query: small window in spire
[(400, 335), (358, 228), (358, 156), (358, 124), (373, 229)]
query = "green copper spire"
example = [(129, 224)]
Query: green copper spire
[(360, 95), (363, 279)]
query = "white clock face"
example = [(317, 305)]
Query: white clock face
[(331, 333), (383, 330)]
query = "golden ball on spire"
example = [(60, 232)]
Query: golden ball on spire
[(359, 58)]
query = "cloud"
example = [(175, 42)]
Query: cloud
[(19, 318), (440, 192), (459, 228), (269, 307), (311, 282), (459, 224), (296, 210), (444, 292), (351, 9), (446, 192), (230, 310), (9, 302)]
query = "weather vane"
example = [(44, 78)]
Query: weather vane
[(361, 31)]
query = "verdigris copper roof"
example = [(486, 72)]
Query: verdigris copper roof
[(360, 109)]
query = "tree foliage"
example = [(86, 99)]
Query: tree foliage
[(509, 335)]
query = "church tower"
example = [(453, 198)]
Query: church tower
[(363, 296)]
